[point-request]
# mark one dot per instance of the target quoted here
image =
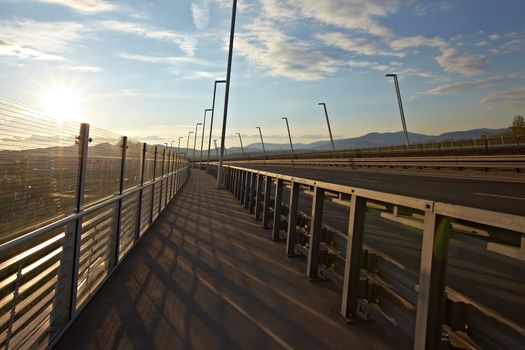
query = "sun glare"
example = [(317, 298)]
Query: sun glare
[(62, 103)]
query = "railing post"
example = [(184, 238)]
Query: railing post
[(354, 246), (247, 189), (253, 184), (161, 181), (153, 185), (315, 233), (277, 209), (239, 184), (292, 219), (243, 188), (116, 240), (141, 192), (267, 196), (233, 180), (258, 193), (83, 141), (168, 180), (432, 275)]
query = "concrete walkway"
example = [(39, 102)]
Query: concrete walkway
[(207, 276)]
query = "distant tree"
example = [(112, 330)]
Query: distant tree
[(518, 126)]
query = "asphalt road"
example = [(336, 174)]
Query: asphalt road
[(500, 196)]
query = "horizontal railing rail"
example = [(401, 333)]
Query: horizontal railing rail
[(408, 290), (91, 195)]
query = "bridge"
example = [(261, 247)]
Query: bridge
[(107, 242)]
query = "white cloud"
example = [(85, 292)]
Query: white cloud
[(200, 12), (450, 59), (356, 45), (186, 42), (443, 89), (515, 44), (351, 14), (38, 40), (281, 55), (514, 97), (494, 36), (84, 69), (360, 64), (171, 60), (482, 43), (277, 9), (86, 6)]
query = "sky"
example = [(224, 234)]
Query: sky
[(146, 69)]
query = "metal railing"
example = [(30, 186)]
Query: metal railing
[(405, 288), (50, 270)]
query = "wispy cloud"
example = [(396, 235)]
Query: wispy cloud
[(359, 46), (86, 6), (186, 42), (200, 12), (267, 47), (84, 69), (38, 40), (171, 60), (512, 97), (443, 89)]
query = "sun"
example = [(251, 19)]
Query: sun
[(63, 103)]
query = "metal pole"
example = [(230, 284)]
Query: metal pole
[(400, 103), (195, 141), (188, 143), (289, 135), (202, 139), (240, 139), (211, 122), (216, 148), (262, 141), (227, 94), (328, 122)]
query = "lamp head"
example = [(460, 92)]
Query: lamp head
[(321, 103), (220, 81), (390, 75)]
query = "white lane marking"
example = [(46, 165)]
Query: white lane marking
[(499, 196), (365, 180)]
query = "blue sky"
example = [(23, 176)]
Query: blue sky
[(146, 69)]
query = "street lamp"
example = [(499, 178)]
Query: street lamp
[(195, 141), (188, 143), (227, 94), (240, 139), (289, 135), (203, 128), (211, 122), (407, 141), (328, 122), (216, 148), (178, 146), (262, 141)]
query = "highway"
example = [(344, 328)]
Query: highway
[(500, 196)]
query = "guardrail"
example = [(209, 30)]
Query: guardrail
[(89, 203), (509, 163), (417, 301)]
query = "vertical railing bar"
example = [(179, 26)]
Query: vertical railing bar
[(315, 233), (84, 140), (292, 218), (141, 192), (124, 147), (161, 181), (247, 189), (354, 247), (258, 193), (253, 184), (277, 209), (267, 200), (432, 276), (153, 185)]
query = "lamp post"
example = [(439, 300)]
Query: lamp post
[(400, 103), (262, 141), (202, 139), (211, 122), (240, 139), (178, 146), (188, 143), (289, 135), (328, 122), (227, 93), (216, 148), (195, 140)]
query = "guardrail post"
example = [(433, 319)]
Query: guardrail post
[(253, 184), (315, 233), (247, 189), (153, 185), (118, 216), (292, 219), (161, 181), (243, 186), (267, 197), (83, 141), (233, 181), (277, 210), (168, 179), (239, 184), (354, 246), (432, 274), (258, 193), (141, 192)]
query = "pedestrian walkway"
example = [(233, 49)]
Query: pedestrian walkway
[(207, 276)]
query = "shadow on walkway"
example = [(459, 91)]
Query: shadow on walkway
[(206, 276)]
